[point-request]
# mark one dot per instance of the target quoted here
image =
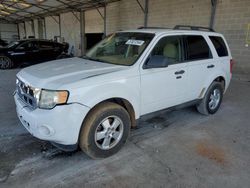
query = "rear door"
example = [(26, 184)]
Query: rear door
[(200, 64), (222, 55), (47, 51), (165, 87)]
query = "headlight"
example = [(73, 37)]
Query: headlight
[(49, 98)]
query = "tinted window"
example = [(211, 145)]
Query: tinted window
[(46, 45), (197, 48), (220, 46), (170, 47), (31, 45)]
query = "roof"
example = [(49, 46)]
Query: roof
[(21, 10)]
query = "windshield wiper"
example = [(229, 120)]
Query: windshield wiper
[(95, 59), (89, 58)]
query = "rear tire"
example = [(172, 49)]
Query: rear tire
[(212, 99), (105, 130), (5, 62)]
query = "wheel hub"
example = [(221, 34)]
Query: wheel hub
[(214, 99), (109, 132)]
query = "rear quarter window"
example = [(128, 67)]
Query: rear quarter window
[(44, 45), (219, 46), (197, 48)]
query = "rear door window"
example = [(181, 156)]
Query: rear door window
[(197, 48), (46, 45), (219, 46)]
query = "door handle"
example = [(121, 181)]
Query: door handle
[(179, 72), (210, 66), (178, 77)]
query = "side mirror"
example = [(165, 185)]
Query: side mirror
[(156, 61)]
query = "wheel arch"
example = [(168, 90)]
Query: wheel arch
[(122, 102), (218, 78)]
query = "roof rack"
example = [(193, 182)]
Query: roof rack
[(190, 27), (153, 28)]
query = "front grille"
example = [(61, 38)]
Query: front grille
[(26, 93)]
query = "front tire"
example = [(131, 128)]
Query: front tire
[(212, 99), (105, 130), (5, 62)]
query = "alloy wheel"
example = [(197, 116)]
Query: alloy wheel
[(109, 132)]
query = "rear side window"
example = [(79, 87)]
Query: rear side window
[(197, 48), (219, 45), (46, 45)]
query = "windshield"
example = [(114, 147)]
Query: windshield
[(120, 48), (13, 44)]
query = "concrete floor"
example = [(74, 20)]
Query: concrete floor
[(175, 149)]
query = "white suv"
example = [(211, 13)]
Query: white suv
[(93, 101)]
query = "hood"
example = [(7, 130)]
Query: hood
[(4, 49), (53, 74)]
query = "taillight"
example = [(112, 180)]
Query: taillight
[(231, 65)]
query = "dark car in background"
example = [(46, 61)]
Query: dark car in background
[(30, 51)]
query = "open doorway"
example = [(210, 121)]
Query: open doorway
[(92, 39)]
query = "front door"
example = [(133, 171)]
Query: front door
[(26, 52), (165, 87)]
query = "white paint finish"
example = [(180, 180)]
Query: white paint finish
[(55, 74), (70, 28), (38, 119), (90, 82), (161, 89)]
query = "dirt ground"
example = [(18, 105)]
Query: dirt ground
[(179, 148)]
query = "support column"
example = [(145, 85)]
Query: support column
[(82, 32), (146, 14), (213, 11), (59, 25), (24, 28), (33, 28), (105, 20), (18, 31), (45, 31), (40, 28)]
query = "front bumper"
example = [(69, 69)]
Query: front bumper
[(61, 124)]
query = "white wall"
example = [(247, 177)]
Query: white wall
[(36, 28), (70, 27), (94, 21), (29, 31), (21, 30), (8, 32), (125, 14), (52, 27)]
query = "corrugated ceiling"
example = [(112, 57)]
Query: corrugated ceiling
[(20, 10)]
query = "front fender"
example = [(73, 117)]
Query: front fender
[(94, 94)]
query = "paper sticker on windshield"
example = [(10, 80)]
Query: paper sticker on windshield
[(135, 42)]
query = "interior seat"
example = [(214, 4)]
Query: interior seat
[(171, 51)]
